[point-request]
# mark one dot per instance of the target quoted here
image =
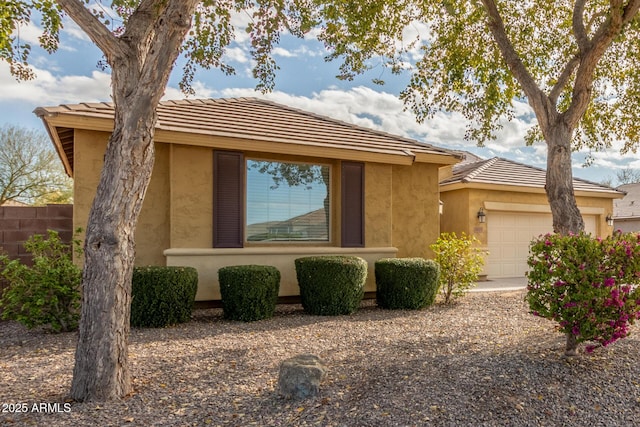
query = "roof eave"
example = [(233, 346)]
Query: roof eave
[(458, 185), (48, 119)]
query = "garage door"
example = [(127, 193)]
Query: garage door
[(509, 235)]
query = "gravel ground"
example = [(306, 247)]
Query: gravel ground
[(482, 362)]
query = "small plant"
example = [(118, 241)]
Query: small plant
[(331, 285), (249, 292), (460, 264), (162, 296), (406, 283), (587, 285), (46, 293)]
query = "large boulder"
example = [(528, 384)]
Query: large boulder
[(300, 376)]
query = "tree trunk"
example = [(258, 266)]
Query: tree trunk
[(559, 187), (141, 60), (571, 347), (101, 370), (559, 181)]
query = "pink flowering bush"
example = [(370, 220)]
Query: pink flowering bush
[(587, 285)]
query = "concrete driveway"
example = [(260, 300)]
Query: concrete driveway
[(502, 284)]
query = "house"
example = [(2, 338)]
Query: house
[(249, 181), (504, 205), (626, 211)]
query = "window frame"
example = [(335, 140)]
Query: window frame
[(332, 200)]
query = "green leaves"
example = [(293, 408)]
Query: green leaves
[(460, 263), (47, 293)]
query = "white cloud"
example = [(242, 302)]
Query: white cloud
[(28, 33), (50, 89), (279, 51), (236, 54), (71, 29)]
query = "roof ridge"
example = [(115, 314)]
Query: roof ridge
[(481, 168), (352, 125), (575, 178)]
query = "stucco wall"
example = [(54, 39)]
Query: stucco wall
[(415, 203), (152, 232), (378, 205), (401, 211), (461, 208), (191, 197)]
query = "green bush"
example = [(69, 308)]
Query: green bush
[(249, 292), (331, 285), (162, 296), (47, 293), (406, 283), (460, 264)]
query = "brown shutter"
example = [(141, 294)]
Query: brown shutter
[(352, 197), (228, 207)]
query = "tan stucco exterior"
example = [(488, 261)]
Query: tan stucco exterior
[(461, 206), (176, 222)]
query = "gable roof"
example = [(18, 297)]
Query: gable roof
[(498, 171), (629, 206), (250, 124)]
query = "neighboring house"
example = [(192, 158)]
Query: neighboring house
[(230, 174), (510, 198), (626, 211)]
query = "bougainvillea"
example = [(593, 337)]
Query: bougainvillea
[(588, 285)]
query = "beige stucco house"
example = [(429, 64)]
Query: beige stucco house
[(503, 203), (249, 181)]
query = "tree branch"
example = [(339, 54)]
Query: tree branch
[(141, 24), (578, 25), (563, 80), (544, 109), (169, 29), (604, 36), (108, 43)]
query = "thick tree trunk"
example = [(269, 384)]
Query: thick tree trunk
[(101, 370), (559, 182), (141, 60), (559, 187)]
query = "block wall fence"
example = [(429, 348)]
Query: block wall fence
[(18, 223)]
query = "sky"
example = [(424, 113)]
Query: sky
[(305, 80)]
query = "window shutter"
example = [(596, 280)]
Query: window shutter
[(228, 183), (352, 194)]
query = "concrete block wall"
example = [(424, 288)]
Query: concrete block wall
[(18, 223)]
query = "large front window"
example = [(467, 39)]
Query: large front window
[(287, 202)]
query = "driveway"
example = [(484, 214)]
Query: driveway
[(502, 284)]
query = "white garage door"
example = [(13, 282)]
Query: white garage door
[(509, 236)]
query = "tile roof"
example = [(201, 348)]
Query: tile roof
[(629, 205), (500, 171), (252, 119)]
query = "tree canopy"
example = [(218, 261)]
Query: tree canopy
[(29, 169), (575, 62), (464, 69)]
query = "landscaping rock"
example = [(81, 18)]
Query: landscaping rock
[(300, 376)]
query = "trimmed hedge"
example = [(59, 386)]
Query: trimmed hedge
[(249, 292), (162, 296), (406, 283), (331, 285)]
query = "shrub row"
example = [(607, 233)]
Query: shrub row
[(329, 285), (162, 296)]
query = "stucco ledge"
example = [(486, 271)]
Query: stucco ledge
[(209, 260)]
